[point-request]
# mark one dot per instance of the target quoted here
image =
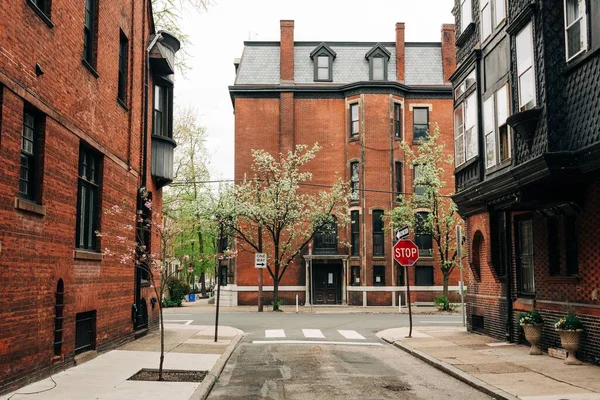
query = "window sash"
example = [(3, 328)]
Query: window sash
[(355, 233), (88, 201), (378, 272), (89, 31), (424, 275), (466, 14), (575, 28), (355, 281), (354, 119), (486, 20), (398, 120), (499, 11), (122, 82), (420, 123), (525, 72), (378, 68), (459, 137), (323, 68), (378, 238), (525, 257), (398, 178), (354, 181)]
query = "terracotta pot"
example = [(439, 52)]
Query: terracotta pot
[(533, 334), (570, 342)]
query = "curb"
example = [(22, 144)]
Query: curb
[(203, 390), (451, 370)]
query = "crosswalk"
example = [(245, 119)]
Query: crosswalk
[(312, 336)]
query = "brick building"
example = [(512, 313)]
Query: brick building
[(358, 100), (527, 162), (80, 132)]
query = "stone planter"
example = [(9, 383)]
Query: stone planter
[(570, 342), (533, 334)]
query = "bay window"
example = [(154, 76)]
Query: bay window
[(493, 12), (465, 130), (466, 14)]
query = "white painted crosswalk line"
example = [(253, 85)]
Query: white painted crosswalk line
[(274, 333), (313, 333), (351, 334)]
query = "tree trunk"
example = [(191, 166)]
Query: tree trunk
[(276, 294), (202, 284), (446, 277)]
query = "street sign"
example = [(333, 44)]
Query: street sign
[(402, 233), (406, 252), (260, 260)]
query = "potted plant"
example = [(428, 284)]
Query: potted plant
[(532, 323), (569, 328)]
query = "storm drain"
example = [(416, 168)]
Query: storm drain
[(397, 388)]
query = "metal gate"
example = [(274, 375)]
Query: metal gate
[(85, 331)]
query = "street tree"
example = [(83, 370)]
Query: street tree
[(430, 209), (277, 212), (132, 235)]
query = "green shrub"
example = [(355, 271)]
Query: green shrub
[(177, 290), (442, 303), (530, 317), (170, 303), (569, 323)]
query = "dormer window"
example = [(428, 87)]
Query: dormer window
[(323, 57), (378, 58)]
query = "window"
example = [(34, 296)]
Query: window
[(493, 12), (354, 181), (423, 238), (553, 247), (562, 227), (85, 331), (355, 276), (400, 279), (355, 233), (123, 61), (571, 245), (326, 238), (465, 85), (378, 245), (323, 57), (354, 121), (575, 28), (398, 178), (1, 102), (423, 275), (59, 317), (525, 72), (465, 122), (466, 14), (420, 190), (31, 155), (162, 111), (398, 120), (89, 32), (496, 131), (323, 68), (378, 68), (88, 198), (42, 5), (420, 123), (379, 275), (524, 253)]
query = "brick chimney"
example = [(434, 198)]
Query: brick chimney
[(400, 51), (286, 51), (448, 50)]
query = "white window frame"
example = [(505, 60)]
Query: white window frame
[(494, 19), (465, 5), (582, 20), (461, 132), (494, 121), (530, 67)]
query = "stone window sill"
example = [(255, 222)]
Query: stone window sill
[(87, 255), (90, 67), (30, 207)]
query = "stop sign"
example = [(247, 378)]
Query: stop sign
[(406, 252)]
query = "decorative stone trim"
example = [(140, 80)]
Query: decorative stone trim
[(30, 207), (87, 255)]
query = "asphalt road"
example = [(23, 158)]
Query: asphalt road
[(324, 356)]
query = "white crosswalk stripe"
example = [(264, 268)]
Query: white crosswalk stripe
[(351, 334), (274, 333), (313, 333)]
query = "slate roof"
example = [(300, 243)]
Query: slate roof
[(259, 64)]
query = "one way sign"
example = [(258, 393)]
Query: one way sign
[(260, 260)]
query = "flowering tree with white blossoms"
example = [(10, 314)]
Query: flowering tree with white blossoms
[(277, 211), (442, 216), (132, 236)]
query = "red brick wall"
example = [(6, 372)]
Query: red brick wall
[(36, 251)]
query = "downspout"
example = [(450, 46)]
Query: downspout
[(509, 304)]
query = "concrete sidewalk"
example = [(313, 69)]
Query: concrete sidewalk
[(105, 377), (504, 371)]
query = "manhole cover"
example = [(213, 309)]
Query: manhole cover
[(397, 388)]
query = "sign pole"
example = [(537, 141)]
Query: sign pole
[(408, 302), (460, 266), (260, 272)]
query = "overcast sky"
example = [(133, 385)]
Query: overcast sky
[(218, 37)]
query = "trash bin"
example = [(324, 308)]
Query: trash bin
[(192, 297)]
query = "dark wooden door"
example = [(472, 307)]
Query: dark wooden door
[(327, 280)]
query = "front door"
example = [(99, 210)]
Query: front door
[(327, 283)]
